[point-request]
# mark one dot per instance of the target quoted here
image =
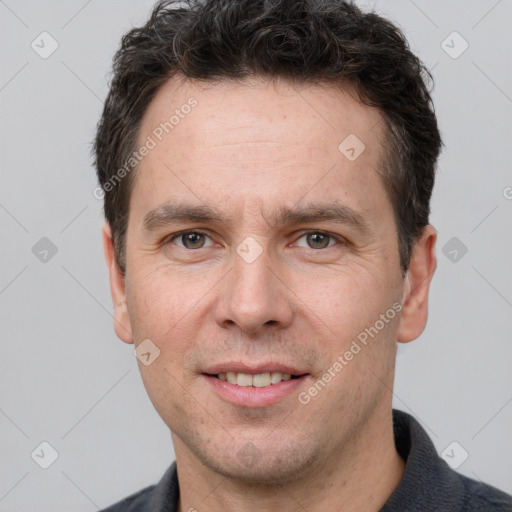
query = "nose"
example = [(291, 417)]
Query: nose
[(253, 297)]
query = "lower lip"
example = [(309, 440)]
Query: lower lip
[(248, 396)]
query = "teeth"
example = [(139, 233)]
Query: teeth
[(276, 377), (244, 379), (259, 380)]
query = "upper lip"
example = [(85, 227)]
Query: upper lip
[(252, 369)]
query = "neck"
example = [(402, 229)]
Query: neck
[(358, 477)]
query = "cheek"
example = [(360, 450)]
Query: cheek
[(159, 300), (144, 302), (348, 309), (346, 300), (168, 308)]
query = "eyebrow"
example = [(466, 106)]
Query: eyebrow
[(171, 212)]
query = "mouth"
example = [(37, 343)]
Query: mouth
[(262, 386), (259, 380)]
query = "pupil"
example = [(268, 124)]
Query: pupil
[(193, 240), (318, 240)]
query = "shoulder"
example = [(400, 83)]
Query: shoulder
[(136, 502), (162, 497), (480, 497), (429, 483)]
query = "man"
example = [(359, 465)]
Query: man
[(267, 169)]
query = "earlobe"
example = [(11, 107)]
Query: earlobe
[(122, 324), (416, 286)]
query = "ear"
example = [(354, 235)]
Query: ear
[(122, 324), (416, 287)]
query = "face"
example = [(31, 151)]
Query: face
[(258, 247)]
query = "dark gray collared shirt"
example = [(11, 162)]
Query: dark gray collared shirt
[(428, 483)]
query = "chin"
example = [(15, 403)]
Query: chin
[(266, 467)]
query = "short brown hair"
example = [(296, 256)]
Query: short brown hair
[(303, 41)]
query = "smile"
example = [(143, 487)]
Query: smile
[(254, 390), (260, 380)]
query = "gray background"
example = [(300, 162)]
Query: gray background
[(64, 376)]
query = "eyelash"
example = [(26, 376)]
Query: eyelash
[(337, 238)]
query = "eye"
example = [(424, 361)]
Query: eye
[(191, 240), (317, 240)]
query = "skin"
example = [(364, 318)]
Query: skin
[(246, 150)]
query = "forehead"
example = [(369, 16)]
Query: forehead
[(257, 141), (257, 109)]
